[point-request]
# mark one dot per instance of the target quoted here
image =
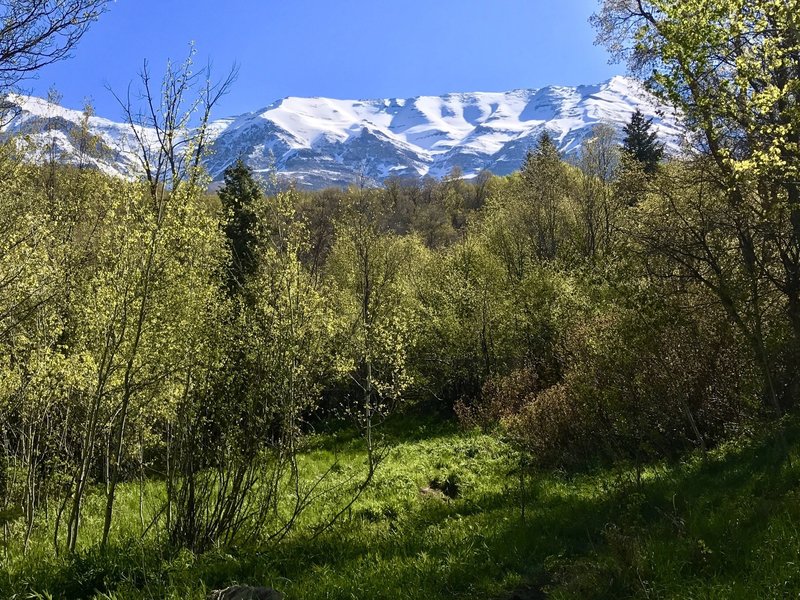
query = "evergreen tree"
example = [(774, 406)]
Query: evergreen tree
[(641, 143), (238, 197), (544, 151)]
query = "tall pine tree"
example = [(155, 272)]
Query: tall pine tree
[(544, 151), (239, 196), (641, 142)]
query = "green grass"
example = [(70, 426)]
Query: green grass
[(717, 526)]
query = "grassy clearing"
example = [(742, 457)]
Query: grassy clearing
[(720, 526)]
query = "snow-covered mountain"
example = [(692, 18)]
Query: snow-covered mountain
[(321, 141), (47, 128)]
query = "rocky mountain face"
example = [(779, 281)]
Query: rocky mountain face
[(321, 142)]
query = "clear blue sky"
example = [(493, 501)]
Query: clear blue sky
[(337, 48)]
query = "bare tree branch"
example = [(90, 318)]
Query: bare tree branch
[(36, 33)]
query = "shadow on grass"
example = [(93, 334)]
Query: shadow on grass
[(460, 549), (440, 550), (719, 526), (715, 526), (414, 423)]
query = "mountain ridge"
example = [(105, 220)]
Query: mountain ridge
[(319, 141)]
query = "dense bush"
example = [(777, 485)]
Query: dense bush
[(636, 390)]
